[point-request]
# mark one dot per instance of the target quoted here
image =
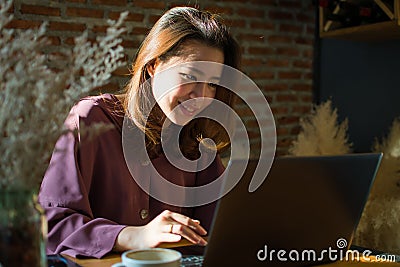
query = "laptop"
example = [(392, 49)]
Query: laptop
[(304, 213)]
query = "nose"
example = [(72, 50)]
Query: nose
[(199, 90)]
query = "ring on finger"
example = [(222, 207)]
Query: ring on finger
[(172, 228)]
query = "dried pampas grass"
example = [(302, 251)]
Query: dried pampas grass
[(379, 227), (321, 134), (391, 145), (35, 98)]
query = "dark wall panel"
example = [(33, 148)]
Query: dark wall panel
[(363, 81)]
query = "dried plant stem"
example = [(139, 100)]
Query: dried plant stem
[(35, 99)]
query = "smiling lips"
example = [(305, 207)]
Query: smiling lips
[(187, 109)]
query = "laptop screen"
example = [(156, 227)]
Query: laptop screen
[(306, 211)]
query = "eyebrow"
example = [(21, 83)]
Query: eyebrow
[(202, 73)]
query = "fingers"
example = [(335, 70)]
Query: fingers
[(188, 233), (192, 224), (167, 237), (167, 228), (184, 226)]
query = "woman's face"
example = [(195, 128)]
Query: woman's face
[(182, 86)]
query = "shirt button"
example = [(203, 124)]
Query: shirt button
[(144, 214), (145, 162)]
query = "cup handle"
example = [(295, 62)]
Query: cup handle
[(119, 264)]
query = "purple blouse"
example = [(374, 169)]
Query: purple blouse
[(88, 193)]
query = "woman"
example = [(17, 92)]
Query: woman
[(92, 203)]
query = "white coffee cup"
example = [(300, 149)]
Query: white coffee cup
[(151, 257)]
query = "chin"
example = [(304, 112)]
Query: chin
[(178, 118), (180, 121)]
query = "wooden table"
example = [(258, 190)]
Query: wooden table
[(111, 259), (114, 258)]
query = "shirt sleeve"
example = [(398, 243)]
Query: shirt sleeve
[(64, 192)]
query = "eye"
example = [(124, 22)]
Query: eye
[(188, 76)]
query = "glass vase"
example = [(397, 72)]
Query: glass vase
[(23, 229)]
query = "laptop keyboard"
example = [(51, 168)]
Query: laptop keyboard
[(192, 261)]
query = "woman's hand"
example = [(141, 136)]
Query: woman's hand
[(166, 227)]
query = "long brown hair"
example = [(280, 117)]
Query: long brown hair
[(165, 40)]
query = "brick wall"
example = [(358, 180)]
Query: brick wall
[(276, 37)]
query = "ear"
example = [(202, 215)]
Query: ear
[(151, 67)]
